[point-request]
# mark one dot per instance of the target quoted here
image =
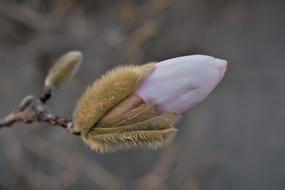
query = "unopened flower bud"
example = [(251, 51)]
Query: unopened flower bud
[(64, 69), (137, 106)]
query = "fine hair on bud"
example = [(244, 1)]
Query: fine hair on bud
[(152, 133), (111, 117), (105, 93), (64, 69)]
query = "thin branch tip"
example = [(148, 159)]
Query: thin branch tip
[(32, 110)]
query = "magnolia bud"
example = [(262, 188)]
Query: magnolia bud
[(64, 69), (137, 106)]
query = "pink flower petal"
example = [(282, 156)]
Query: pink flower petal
[(180, 83)]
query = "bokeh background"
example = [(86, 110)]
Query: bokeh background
[(234, 140)]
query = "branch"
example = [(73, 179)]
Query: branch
[(15, 117), (33, 110)]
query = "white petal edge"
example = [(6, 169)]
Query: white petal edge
[(180, 83)]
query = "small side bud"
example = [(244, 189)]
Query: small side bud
[(64, 69), (26, 102)]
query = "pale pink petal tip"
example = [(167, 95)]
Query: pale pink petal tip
[(180, 83)]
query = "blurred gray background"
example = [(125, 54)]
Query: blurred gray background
[(234, 140)]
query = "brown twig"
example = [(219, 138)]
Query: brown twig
[(34, 110), (15, 117)]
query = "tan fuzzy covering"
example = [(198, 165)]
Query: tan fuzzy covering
[(132, 124), (106, 93), (112, 117), (152, 133), (130, 140)]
